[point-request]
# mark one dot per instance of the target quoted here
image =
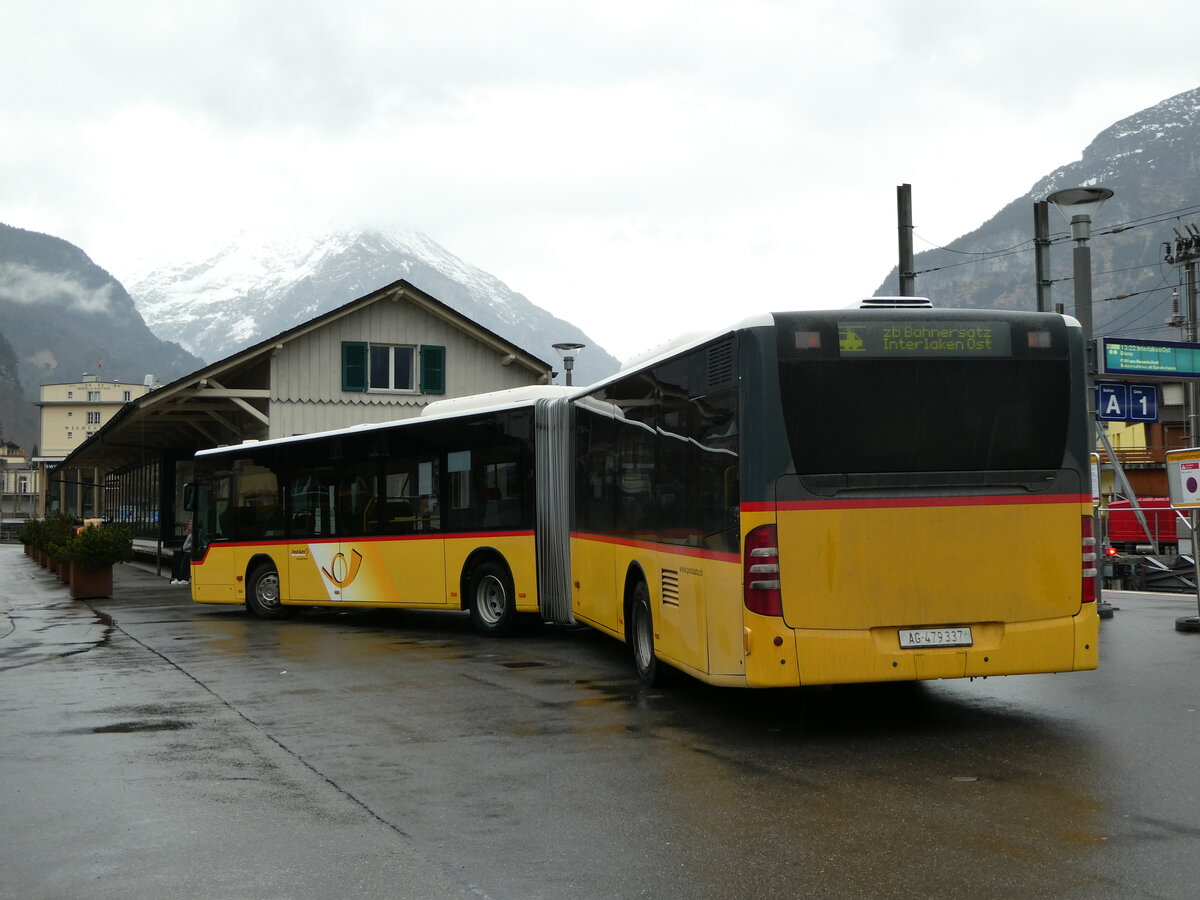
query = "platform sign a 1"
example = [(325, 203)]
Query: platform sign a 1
[(1117, 401), (1143, 403), (1183, 478)]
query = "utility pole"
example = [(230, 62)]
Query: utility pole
[(1041, 247), (1186, 253), (908, 279)]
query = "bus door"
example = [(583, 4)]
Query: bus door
[(695, 499), (400, 555), (680, 617), (316, 570), (213, 578), (366, 529), (595, 582)]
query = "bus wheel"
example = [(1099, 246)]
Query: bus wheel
[(650, 670), (490, 599), (262, 593)]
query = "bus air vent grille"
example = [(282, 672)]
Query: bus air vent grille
[(670, 587), (720, 365)]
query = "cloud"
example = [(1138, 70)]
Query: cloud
[(706, 149), (25, 284)]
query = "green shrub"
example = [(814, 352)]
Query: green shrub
[(30, 533), (98, 546), (55, 530)]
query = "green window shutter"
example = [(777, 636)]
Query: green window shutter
[(433, 370), (354, 365)]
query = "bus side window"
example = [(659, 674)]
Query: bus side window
[(256, 501), (356, 498), (595, 442), (311, 508), (410, 498)]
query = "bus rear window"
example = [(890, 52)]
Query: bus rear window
[(891, 414)]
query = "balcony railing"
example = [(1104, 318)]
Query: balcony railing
[(1136, 456)]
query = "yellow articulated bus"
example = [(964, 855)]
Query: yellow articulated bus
[(894, 492), (436, 512), (889, 493)]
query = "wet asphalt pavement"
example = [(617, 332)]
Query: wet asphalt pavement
[(151, 747)]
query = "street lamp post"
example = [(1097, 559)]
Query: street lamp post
[(568, 352), (1078, 205)]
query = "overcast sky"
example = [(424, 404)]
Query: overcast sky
[(637, 168)]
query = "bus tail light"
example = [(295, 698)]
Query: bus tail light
[(1088, 586), (761, 572)]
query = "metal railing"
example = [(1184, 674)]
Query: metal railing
[(1135, 456)]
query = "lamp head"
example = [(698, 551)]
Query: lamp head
[(1080, 201)]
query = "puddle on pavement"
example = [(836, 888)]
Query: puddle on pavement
[(134, 727)]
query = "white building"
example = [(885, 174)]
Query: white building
[(383, 356)]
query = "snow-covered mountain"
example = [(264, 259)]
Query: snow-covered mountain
[(260, 285)]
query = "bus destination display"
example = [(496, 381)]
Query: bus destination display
[(931, 337)]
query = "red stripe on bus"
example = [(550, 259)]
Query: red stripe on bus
[(439, 536), (657, 546), (914, 502)]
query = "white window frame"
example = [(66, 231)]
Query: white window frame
[(390, 387)]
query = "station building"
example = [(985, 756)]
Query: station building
[(381, 357)]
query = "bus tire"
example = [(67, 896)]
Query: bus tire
[(491, 600), (262, 592), (651, 672)]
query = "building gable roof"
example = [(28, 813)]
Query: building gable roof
[(216, 402)]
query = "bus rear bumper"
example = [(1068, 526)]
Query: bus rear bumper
[(1063, 644)]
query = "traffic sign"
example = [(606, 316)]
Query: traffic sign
[(1117, 401), (1183, 478)]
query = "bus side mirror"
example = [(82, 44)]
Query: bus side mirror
[(189, 496)]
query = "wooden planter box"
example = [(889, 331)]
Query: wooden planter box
[(87, 584)]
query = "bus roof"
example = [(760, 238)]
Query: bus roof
[(518, 396), (884, 305), (513, 398), (688, 340)]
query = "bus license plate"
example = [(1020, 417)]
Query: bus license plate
[(935, 637)]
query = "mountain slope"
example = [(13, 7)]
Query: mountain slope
[(258, 286), (18, 418), (1151, 160), (63, 316)]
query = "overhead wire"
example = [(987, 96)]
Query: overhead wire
[(1131, 314), (1128, 315), (970, 252), (1057, 237)]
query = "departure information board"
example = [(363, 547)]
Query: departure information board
[(1170, 359)]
